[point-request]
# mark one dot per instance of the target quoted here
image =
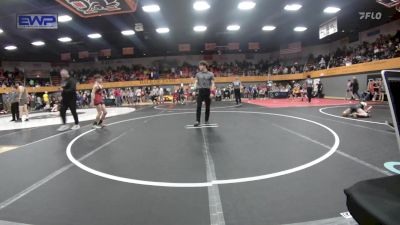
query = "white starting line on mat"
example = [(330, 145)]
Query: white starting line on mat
[(191, 109), (210, 125), (331, 151)]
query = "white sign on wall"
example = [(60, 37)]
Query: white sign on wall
[(328, 28)]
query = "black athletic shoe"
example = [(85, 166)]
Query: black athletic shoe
[(207, 122), (18, 121), (196, 124), (12, 120)]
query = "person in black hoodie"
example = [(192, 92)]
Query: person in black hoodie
[(355, 88), (319, 90), (68, 100), (13, 96)]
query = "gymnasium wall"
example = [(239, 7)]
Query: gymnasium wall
[(336, 86)]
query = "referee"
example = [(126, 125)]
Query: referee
[(237, 86), (204, 83)]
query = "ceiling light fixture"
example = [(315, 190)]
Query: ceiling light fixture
[(128, 32), (162, 30), (1, 31), (64, 18), (64, 39), (10, 47), (151, 8), (38, 43), (300, 29), (268, 28), (293, 7), (94, 36), (246, 5), (200, 28), (331, 10), (201, 5), (233, 27)]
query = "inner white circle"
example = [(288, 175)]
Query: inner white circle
[(214, 182), (191, 109)]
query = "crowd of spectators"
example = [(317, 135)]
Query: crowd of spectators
[(385, 47), (7, 78)]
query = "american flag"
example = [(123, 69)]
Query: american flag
[(291, 48), (83, 54), (184, 47), (210, 46), (127, 51), (105, 53), (65, 56), (254, 45), (233, 46)]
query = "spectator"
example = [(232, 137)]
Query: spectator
[(46, 98), (349, 89), (319, 90), (118, 97), (322, 63), (138, 94), (38, 103), (355, 88), (293, 70)]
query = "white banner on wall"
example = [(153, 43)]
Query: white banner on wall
[(328, 28)]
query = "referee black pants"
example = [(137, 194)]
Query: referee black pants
[(238, 98), (204, 95), (71, 105), (309, 93)]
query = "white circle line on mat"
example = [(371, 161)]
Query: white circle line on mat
[(214, 182), (321, 110), (42, 119)]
